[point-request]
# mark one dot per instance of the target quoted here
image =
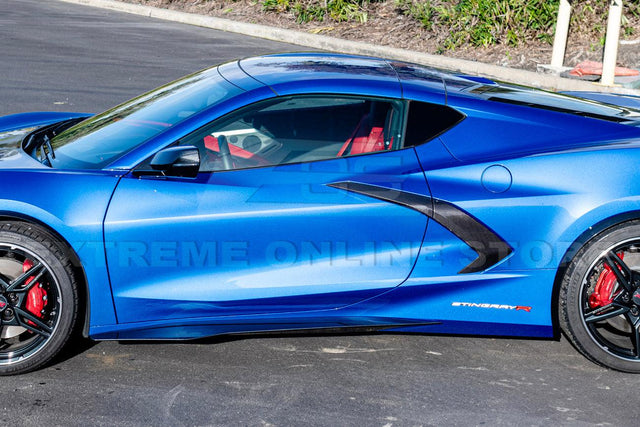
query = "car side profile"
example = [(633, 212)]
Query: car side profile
[(323, 191)]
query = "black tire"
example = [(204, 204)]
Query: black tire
[(35, 324), (599, 305)]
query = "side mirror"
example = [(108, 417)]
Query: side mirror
[(182, 161)]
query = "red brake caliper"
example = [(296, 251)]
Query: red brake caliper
[(603, 293), (37, 296)]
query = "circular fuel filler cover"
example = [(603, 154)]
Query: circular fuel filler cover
[(496, 179)]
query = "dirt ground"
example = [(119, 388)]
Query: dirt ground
[(387, 26)]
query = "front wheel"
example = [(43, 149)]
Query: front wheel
[(38, 298), (599, 307)]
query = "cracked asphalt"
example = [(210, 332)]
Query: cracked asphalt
[(58, 56)]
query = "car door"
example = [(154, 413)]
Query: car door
[(267, 225)]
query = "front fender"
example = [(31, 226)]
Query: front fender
[(37, 119), (73, 205)]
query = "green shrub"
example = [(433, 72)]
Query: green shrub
[(275, 5), (319, 10), (511, 22), (455, 23), (485, 22)]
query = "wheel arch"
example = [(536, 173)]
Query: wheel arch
[(573, 249), (69, 251)]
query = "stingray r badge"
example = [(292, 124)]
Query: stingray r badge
[(495, 306)]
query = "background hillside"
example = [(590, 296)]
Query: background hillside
[(516, 33)]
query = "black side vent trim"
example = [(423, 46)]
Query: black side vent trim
[(490, 247)]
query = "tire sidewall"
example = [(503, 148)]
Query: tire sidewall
[(67, 293), (571, 310)]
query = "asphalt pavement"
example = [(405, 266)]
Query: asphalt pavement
[(63, 57), (59, 56)]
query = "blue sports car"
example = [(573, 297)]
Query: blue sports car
[(317, 191)]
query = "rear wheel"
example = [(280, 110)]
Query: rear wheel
[(600, 299), (38, 298)]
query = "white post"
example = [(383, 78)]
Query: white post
[(611, 44), (562, 29)]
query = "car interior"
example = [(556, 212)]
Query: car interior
[(297, 130)]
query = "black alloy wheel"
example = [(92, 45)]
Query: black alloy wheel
[(600, 299), (38, 298)]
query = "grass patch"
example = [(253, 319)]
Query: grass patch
[(485, 22), (320, 10), (476, 23), (510, 22)]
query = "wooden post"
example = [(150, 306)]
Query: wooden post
[(611, 44), (562, 30)]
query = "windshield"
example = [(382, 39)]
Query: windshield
[(97, 141)]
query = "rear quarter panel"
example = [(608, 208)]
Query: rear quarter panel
[(562, 175)]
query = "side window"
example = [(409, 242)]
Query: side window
[(426, 121), (297, 129)]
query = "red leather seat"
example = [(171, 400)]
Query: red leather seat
[(365, 139)]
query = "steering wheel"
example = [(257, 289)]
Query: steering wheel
[(225, 153)]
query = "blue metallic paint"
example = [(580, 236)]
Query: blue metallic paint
[(278, 239), (23, 120), (292, 204), (72, 203), (292, 74), (496, 131)]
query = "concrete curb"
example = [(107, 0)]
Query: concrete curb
[(523, 77)]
